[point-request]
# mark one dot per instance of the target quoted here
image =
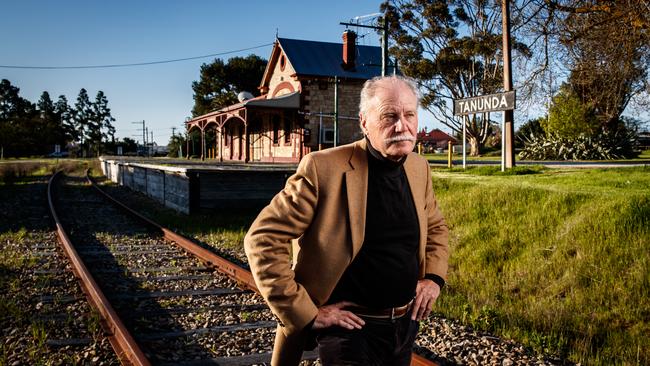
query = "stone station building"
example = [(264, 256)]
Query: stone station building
[(306, 85)]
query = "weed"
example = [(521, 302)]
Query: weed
[(94, 324), (39, 337)]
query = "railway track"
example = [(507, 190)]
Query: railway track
[(162, 299)]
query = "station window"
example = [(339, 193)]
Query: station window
[(287, 130), (276, 129)]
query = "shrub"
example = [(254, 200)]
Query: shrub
[(619, 144)]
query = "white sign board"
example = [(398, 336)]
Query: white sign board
[(485, 103)]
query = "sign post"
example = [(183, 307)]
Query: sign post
[(464, 139), (482, 104), (508, 116)]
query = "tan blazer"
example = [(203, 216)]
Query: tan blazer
[(323, 206)]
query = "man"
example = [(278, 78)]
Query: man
[(372, 246)]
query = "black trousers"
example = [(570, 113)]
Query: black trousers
[(380, 342)]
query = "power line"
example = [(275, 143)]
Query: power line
[(130, 64)]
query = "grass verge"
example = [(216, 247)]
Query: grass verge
[(556, 259)]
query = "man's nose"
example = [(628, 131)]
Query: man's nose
[(399, 125)]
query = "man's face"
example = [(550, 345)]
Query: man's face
[(391, 121)]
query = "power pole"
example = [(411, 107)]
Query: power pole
[(146, 143), (508, 116), (384, 47), (151, 141), (144, 135), (173, 131), (384, 40)]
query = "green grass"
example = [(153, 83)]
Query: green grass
[(556, 259)]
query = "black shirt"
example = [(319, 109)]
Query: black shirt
[(385, 271)]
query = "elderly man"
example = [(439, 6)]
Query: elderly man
[(370, 246)]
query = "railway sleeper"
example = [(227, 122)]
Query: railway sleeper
[(246, 360), (168, 294), (200, 331), (185, 310)]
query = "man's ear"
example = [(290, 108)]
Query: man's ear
[(362, 123)]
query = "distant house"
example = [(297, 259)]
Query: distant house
[(644, 140), (434, 139), (295, 113)]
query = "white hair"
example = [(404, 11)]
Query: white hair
[(370, 89)]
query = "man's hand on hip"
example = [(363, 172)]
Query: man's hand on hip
[(426, 294), (330, 315)]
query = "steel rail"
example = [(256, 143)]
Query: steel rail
[(235, 272), (230, 269), (126, 349)]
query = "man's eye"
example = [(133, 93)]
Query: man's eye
[(390, 117)]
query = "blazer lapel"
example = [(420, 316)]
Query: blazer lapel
[(356, 181), (415, 179)]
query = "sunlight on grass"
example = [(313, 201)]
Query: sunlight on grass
[(557, 259)]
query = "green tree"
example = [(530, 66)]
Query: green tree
[(532, 127), (49, 131), (602, 45), (100, 126), (17, 118), (176, 145), (83, 116), (65, 117), (129, 145), (569, 116), (429, 46), (220, 82)]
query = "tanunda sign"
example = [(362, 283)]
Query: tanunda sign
[(485, 103)]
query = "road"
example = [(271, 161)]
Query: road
[(548, 164)]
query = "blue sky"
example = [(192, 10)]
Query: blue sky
[(71, 33)]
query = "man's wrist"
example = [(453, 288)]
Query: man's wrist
[(435, 278)]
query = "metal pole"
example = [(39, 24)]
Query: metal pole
[(320, 131), (146, 143), (509, 130), (336, 110), (464, 140), (384, 48), (202, 145), (503, 142), (187, 145)]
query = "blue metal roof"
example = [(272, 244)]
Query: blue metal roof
[(325, 59)]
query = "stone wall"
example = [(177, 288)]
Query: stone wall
[(319, 97), (169, 187)]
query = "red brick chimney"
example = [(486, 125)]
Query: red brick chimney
[(349, 49)]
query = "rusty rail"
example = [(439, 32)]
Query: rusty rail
[(230, 269), (127, 350), (235, 272)]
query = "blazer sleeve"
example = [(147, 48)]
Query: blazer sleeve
[(268, 248), (437, 245)]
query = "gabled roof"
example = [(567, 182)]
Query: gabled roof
[(325, 59), (434, 135)]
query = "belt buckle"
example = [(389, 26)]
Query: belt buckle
[(392, 314)]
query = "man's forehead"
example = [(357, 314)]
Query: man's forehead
[(395, 96)]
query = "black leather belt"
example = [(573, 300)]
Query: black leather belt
[(389, 313)]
